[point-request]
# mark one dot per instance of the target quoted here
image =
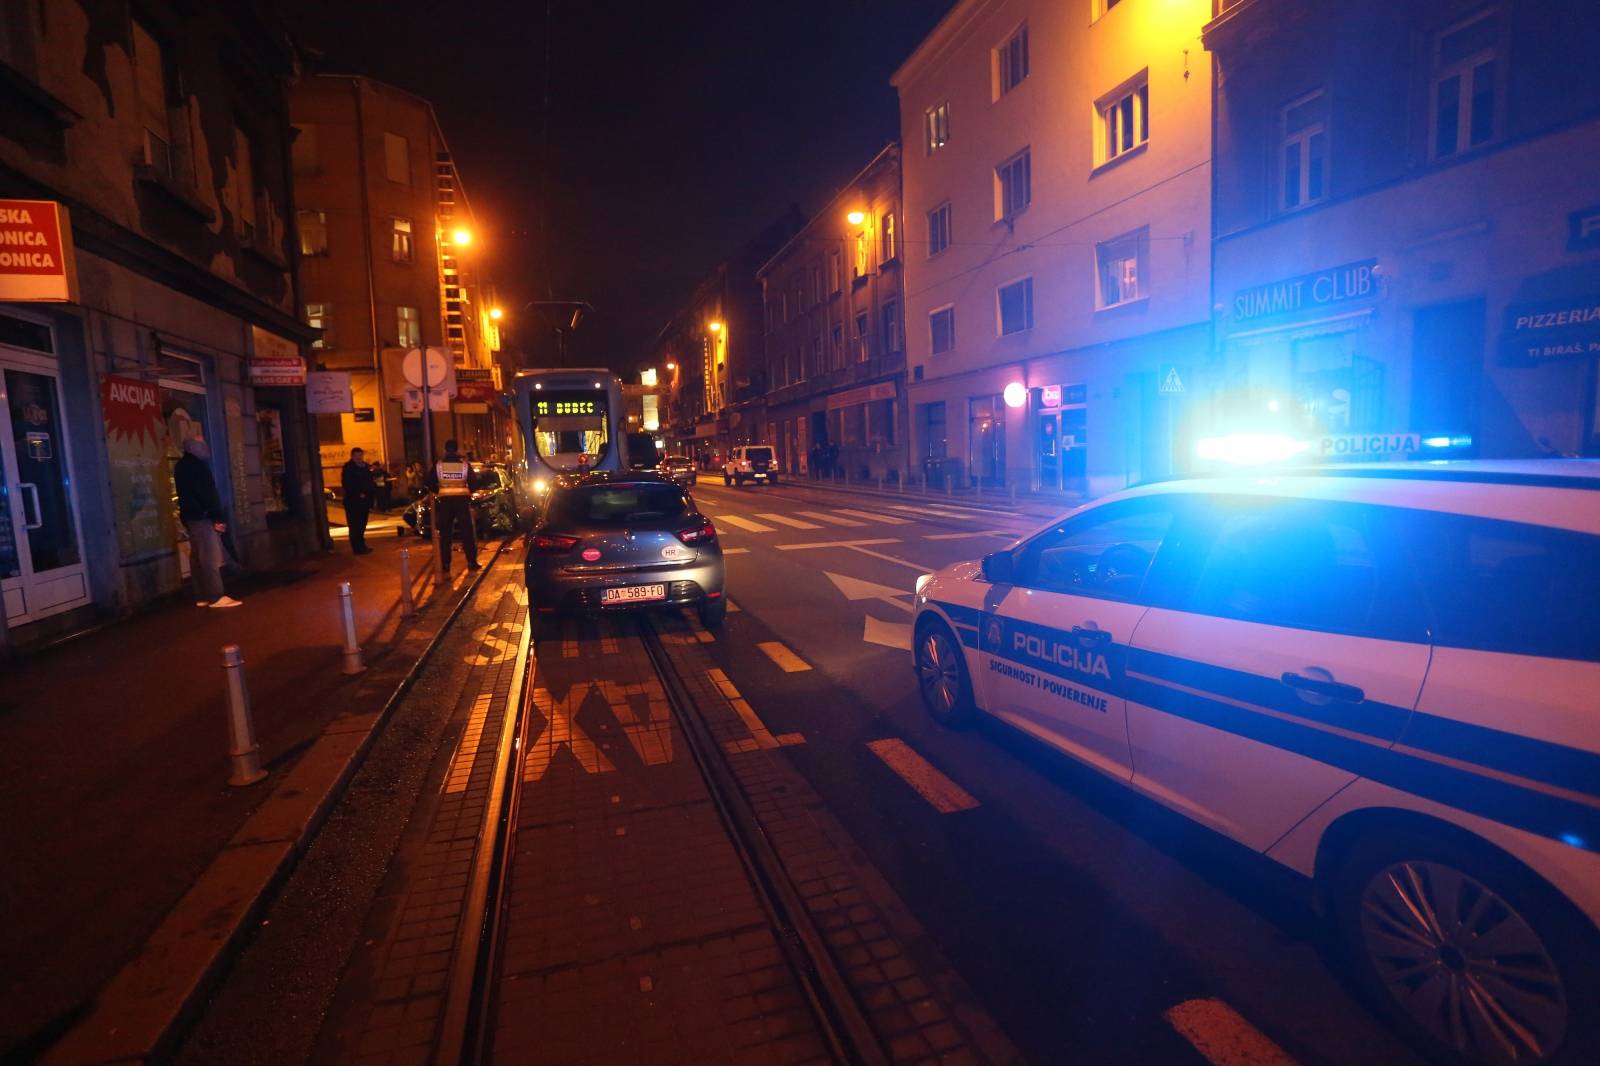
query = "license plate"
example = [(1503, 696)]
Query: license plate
[(634, 594)]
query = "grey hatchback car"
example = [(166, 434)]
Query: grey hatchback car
[(617, 541)]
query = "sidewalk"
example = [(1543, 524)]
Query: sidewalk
[(113, 760)]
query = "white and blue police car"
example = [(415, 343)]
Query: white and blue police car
[(1384, 677)]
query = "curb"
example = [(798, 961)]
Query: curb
[(139, 1015)]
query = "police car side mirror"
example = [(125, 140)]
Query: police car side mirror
[(997, 568)]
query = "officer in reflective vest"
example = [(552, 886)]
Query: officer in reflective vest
[(451, 481)]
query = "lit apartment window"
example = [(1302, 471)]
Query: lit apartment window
[(937, 121), (1124, 268), (1305, 151), (401, 249), (1124, 118), (888, 240), (1011, 60), (1016, 306), (863, 337), (942, 329), (408, 327), (1013, 185), (397, 158), (313, 227), (938, 229), (320, 316), (890, 313), (863, 260), (151, 74), (1464, 86)]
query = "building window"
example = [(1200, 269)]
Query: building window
[(320, 316), (1124, 267), (863, 263), (1016, 306), (938, 229), (304, 151), (931, 430), (1124, 118), (890, 314), (1102, 6), (838, 343), (863, 337), (397, 158), (783, 306), (942, 329), (408, 327), (833, 272), (817, 364), (1013, 185), (888, 240), (401, 250), (313, 226), (150, 69), (1011, 61), (1305, 151), (1464, 86), (937, 121), (243, 187)]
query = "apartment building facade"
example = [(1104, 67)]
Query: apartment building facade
[(832, 307), (392, 258), (1407, 224), (1057, 273), (152, 143)]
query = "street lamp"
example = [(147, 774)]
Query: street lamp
[(715, 327), (461, 237), (855, 218), (672, 366), (496, 314)]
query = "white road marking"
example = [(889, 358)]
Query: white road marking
[(856, 546), (943, 794), (821, 516), (937, 511), (735, 551), (854, 588), (787, 661), (975, 533), (888, 634), (873, 517), (744, 523), (760, 735), (1219, 1033), (734, 608), (836, 544), (785, 520)]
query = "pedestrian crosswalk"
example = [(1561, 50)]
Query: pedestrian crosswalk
[(831, 519), (746, 524), (785, 520), (836, 520)]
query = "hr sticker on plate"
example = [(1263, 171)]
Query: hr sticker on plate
[(672, 551), (591, 554)]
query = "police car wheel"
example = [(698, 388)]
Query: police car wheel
[(1473, 960), (942, 676)]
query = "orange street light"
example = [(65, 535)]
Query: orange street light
[(715, 327), (496, 314), (461, 237), (672, 366), (855, 218)]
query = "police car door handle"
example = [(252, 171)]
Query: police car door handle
[(1333, 690), (1090, 638)]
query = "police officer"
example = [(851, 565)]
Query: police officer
[(451, 481), (359, 494)]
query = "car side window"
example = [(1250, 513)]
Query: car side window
[(1104, 553), (1509, 587), (1305, 564)]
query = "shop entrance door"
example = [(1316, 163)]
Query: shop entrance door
[(41, 561)]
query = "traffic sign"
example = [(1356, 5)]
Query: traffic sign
[(1171, 380), (439, 365)]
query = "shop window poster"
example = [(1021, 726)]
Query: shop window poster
[(136, 436)]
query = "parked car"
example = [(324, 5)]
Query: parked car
[(680, 469), (750, 462), (622, 541), (1383, 677), (498, 506)]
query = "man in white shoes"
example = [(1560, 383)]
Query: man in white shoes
[(200, 509)]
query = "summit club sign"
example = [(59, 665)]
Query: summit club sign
[(36, 252)]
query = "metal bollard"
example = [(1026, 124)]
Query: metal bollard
[(242, 751), (408, 605), (352, 650)]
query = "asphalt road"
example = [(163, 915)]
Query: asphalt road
[(1096, 925)]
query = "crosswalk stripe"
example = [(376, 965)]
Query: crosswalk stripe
[(832, 519), (871, 517), (787, 661), (974, 533), (943, 794), (1219, 1033), (744, 523), (785, 520), (942, 512)]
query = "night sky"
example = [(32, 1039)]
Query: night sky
[(676, 132)]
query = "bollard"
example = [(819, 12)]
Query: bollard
[(352, 650), (242, 750), (408, 605)]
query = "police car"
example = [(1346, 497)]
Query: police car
[(1385, 677)]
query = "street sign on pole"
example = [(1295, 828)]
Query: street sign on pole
[(1171, 380)]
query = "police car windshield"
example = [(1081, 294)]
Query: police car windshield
[(615, 505)]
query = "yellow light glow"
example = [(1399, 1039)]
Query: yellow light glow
[(855, 218), (672, 366), (496, 314), (461, 237), (716, 327)]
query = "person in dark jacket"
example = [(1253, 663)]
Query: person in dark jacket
[(200, 510), (359, 494), (451, 481)]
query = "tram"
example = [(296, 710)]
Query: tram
[(572, 421)]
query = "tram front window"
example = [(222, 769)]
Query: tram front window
[(570, 433)]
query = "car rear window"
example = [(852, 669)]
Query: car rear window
[(758, 455), (600, 505)]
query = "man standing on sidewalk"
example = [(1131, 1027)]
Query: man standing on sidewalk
[(451, 482), (359, 493), (200, 510)]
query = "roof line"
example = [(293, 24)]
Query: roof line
[(892, 146)]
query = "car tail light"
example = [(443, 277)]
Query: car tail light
[(701, 534), (554, 543)]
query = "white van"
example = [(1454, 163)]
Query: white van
[(750, 462)]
